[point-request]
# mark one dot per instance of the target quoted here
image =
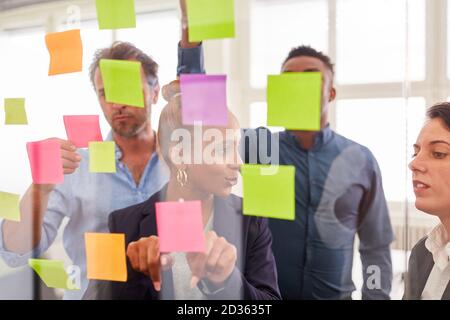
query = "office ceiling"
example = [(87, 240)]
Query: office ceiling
[(12, 4)]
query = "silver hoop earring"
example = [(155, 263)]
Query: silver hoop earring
[(182, 177)]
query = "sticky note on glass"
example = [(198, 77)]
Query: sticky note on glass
[(83, 129), (269, 191), (102, 157), (9, 206), (122, 82), (180, 226), (45, 161), (15, 112), (105, 256), (66, 52), (116, 14), (210, 19), (204, 99), (52, 273), (294, 101)]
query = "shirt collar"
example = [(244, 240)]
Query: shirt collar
[(326, 134), (322, 138), (439, 246), (118, 151)]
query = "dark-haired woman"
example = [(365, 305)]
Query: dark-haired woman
[(429, 264)]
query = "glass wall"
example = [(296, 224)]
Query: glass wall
[(24, 61), (389, 57), (387, 73)]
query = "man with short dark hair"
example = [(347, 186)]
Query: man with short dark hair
[(87, 199), (339, 195)]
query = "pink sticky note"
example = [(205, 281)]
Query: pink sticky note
[(45, 161), (204, 98), (180, 226), (83, 129)]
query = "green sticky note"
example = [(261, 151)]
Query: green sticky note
[(116, 14), (210, 19), (9, 206), (102, 157), (52, 273), (15, 111), (269, 191), (122, 82), (294, 101)]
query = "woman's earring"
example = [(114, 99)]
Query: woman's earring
[(182, 177)]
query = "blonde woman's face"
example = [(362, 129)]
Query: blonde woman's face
[(431, 169), (219, 170)]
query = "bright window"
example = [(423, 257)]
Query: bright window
[(279, 25), (371, 40), (388, 128)]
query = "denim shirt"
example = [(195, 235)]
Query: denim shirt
[(338, 194), (86, 199)]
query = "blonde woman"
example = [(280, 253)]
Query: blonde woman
[(238, 263)]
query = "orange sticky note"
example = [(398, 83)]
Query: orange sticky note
[(66, 52), (105, 256)]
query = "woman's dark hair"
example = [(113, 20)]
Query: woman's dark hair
[(441, 111)]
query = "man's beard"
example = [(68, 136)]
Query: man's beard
[(129, 130)]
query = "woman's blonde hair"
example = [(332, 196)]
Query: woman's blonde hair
[(171, 119)]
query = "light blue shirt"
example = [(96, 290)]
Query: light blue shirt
[(87, 199)]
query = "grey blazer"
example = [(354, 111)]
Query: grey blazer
[(420, 265)]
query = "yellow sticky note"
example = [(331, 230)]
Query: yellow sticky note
[(52, 273), (116, 14), (269, 191), (15, 111), (9, 206), (294, 100), (123, 82), (105, 256), (210, 19), (102, 157)]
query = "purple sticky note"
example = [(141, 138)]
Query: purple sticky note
[(204, 98), (83, 129), (180, 226), (45, 161)]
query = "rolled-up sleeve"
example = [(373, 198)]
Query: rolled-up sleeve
[(190, 60), (57, 209), (375, 234)]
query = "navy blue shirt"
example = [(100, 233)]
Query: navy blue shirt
[(339, 194)]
